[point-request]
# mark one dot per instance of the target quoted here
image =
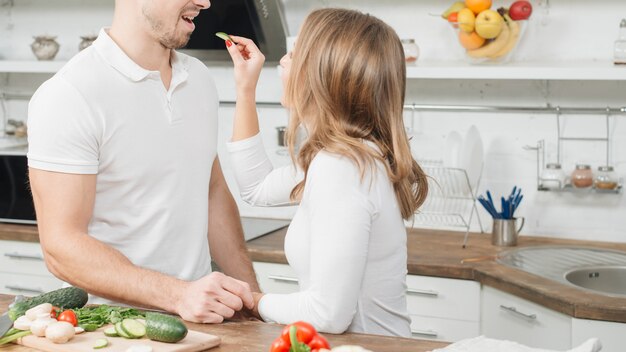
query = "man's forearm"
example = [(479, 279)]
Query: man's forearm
[(103, 271)]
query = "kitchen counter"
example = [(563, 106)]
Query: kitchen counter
[(440, 254), (257, 336)]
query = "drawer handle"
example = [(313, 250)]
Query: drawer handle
[(290, 280), (16, 255), (416, 291), (24, 289), (429, 333), (518, 313)]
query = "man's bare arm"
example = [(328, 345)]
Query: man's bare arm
[(226, 240), (64, 205)]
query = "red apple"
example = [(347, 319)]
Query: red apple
[(520, 10)]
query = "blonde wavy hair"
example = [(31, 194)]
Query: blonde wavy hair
[(347, 84)]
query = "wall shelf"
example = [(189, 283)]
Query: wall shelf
[(30, 66), (575, 70), (589, 71)]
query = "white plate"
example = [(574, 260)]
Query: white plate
[(471, 156), (452, 149)]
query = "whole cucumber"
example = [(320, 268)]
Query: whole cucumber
[(66, 298), (164, 328)]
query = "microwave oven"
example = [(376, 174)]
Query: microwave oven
[(16, 201)]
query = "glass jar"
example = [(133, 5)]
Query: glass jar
[(619, 48), (411, 50), (582, 177), (606, 179), (553, 176)]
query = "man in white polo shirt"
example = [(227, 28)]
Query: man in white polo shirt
[(131, 201)]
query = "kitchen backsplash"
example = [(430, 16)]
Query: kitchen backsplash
[(561, 30)]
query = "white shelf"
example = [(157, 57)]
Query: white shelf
[(30, 66), (586, 71)]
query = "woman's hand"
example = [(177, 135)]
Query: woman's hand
[(248, 61)]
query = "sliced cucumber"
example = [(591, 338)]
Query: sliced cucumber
[(133, 328), (100, 343), (120, 331), (111, 332), (224, 36)]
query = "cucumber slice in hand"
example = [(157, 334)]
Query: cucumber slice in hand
[(224, 36), (133, 328), (100, 343)]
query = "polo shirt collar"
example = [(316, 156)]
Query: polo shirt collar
[(118, 59)]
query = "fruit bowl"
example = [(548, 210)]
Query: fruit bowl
[(500, 48)]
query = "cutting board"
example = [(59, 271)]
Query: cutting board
[(194, 342)]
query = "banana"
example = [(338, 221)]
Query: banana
[(493, 46), (455, 7), (515, 29)]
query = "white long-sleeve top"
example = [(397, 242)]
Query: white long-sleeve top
[(346, 242)]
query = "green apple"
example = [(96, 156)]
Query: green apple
[(466, 20), (489, 24)]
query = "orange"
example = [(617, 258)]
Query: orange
[(478, 6), (471, 41)]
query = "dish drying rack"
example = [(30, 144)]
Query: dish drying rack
[(451, 201)]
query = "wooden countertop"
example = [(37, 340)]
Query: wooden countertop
[(257, 336), (440, 253)]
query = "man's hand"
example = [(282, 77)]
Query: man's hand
[(213, 298)]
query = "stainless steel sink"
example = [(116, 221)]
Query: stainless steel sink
[(599, 270), (604, 279)]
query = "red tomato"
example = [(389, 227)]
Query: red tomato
[(54, 312), (68, 316), (317, 342), (304, 333), (279, 346)]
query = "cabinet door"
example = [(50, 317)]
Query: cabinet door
[(508, 317), (443, 298), (22, 257), (28, 285), (276, 278), (439, 329), (611, 334)]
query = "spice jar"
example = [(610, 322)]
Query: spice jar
[(606, 179), (553, 176), (582, 177), (411, 50)]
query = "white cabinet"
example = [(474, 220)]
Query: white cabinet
[(612, 335), (276, 278), (23, 271), (508, 317), (443, 309)]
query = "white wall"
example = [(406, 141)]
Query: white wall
[(560, 30)]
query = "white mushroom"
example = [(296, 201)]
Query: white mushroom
[(22, 323), (60, 332), (38, 327), (34, 312)]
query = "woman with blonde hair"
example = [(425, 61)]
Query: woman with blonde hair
[(353, 175)]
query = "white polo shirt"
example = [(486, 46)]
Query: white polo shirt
[(152, 150)]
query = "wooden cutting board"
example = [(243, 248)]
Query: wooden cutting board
[(194, 342)]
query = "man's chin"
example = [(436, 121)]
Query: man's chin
[(176, 43)]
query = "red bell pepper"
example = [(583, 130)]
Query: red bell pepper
[(299, 337)]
